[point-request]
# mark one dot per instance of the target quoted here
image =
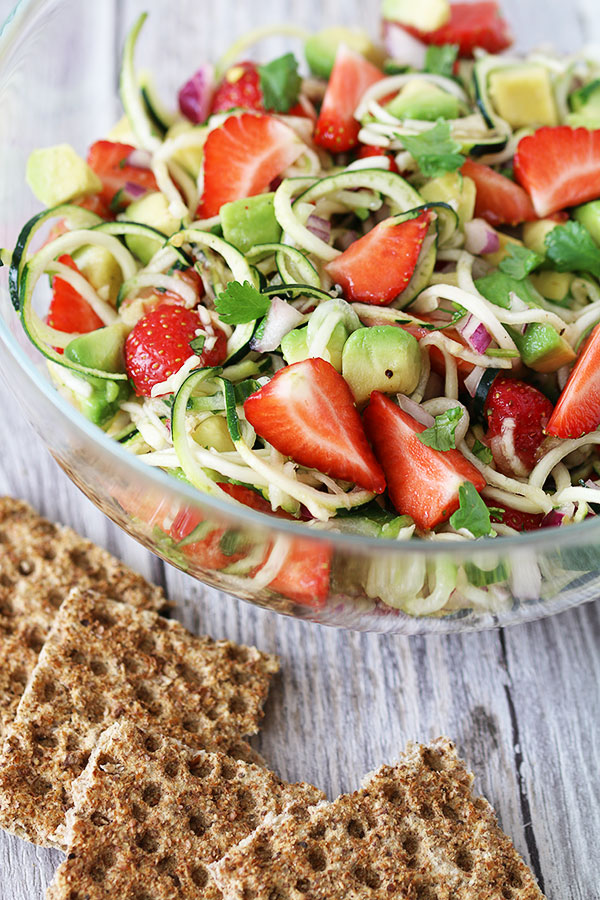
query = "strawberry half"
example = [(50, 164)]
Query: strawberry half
[(109, 160), (471, 25), (307, 413), (243, 157), (68, 310), (559, 167), (499, 200), (517, 415), (514, 518), (240, 87), (422, 482), (337, 129), (577, 411), (159, 345), (377, 267), (367, 151)]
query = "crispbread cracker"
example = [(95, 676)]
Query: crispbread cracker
[(415, 830), (150, 814), (39, 563), (105, 660)]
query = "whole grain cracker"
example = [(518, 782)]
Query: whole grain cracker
[(105, 660), (150, 814), (39, 564), (414, 830)]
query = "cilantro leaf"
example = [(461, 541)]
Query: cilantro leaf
[(240, 303), (439, 60), (571, 248), (482, 452), (520, 261), (280, 83), (197, 345), (434, 150), (441, 435), (472, 514)]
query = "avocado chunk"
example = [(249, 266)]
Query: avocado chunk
[(101, 270), (214, 433), (58, 174), (585, 106), (105, 399), (381, 358), (423, 100), (534, 234), (250, 221), (321, 48), (426, 15), (153, 210), (121, 132), (522, 95), (554, 286), (294, 345), (457, 190), (101, 349), (189, 157), (588, 215)]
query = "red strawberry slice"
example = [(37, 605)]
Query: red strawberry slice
[(559, 167), (517, 415), (499, 200), (471, 25), (159, 345), (514, 518), (242, 157), (337, 129), (68, 310), (367, 151), (422, 482), (307, 412), (377, 267), (240, 87), (109, 160), (577, 411)]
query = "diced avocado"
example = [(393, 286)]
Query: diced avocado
[(534, 234), (554, 286), (101, 349), (423, 100), (321, 48), (294, 345), (58, 174), (188, 157), (425, 15), (542, 348), (101, 270), (456, 190), (121, 132), (522, 95), (153, 209), (105, 399), (588, 215), (381, 358), (213, 432), (498, 255), (250, 221), (582, 120), (585, 105)]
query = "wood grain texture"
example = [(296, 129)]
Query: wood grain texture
[(523, 705)]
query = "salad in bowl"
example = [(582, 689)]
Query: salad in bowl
[(359, 291)]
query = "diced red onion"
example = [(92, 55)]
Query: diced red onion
[(592, 484), (281, 319), (139, 159), (480, 237), (402, 46), (135, 190), (472, 380), (555, 517), (415, 410), (196, 95), (321, 228), (475, 333)]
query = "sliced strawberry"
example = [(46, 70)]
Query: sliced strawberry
[(367, 151), (422, 482), (514, 518), (242, 157), (68, 310), (499, 200), (337, 129), (304, 576), (240, 87), (471, 25), (517, 415), (307, 412), (377, 267), (109, 160), (559, 167), (159, 345), (577, 411), (97, 204)]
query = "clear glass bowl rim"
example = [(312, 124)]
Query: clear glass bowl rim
[(544, 539)]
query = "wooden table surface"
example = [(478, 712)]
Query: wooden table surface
[(522, 704)]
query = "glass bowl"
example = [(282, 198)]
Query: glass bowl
[(58, 76)]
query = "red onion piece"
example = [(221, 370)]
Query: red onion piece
[(592, 484), (415, 410), (475, 333), (472, 380), (553, 519), (480, 237), (196, 95), (135, 190), (139, 159), (321, 228), (402, 47), (281, 319)]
